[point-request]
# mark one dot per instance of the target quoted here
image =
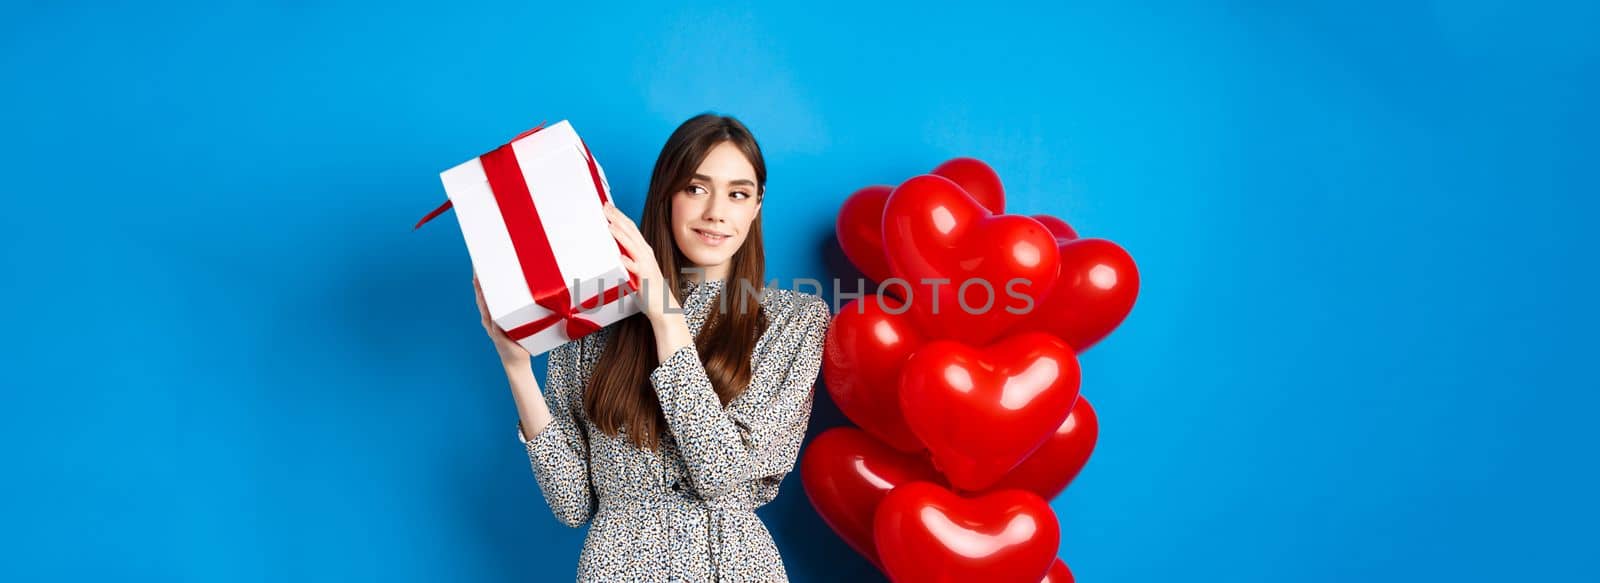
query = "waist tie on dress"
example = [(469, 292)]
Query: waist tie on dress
[(659, 501), (717, 514), (718, 511), (738, 500)]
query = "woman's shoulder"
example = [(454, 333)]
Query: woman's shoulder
[(795, 307)]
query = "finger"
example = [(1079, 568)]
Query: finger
[(622, 234), (630, 229), (622, 238), (478, 297), (622, 220), (617, 213), (638, 240), (630, 248)]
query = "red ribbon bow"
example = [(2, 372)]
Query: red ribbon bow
[(533, 250)]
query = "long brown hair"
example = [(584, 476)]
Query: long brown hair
[(618, 396)]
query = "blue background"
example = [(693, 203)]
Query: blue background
[(1363, 349)]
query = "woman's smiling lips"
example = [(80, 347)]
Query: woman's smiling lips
[(712, 238)]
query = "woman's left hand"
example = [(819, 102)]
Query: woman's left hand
[(640, 261)]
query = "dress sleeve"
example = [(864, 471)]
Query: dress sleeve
[(753, 442), (559, 453)]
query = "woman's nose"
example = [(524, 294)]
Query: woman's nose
[(715, 208)]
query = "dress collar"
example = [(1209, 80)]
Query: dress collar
[(693, 288)]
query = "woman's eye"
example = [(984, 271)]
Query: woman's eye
[(696, 189), (737, 195)]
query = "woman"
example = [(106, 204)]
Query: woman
[(668, 428)]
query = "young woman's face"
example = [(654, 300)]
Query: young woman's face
[(712, 215)]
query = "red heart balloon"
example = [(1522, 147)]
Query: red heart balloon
[(1058, 573), (978, 179), (1093, 295), (992, 265), (1057, 227), (926, 533), (860, 222), (846, 473), (866, 346), (859, 228), (1051, 468), (981, 412)]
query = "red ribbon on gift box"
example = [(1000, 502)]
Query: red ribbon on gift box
[(533, 250)]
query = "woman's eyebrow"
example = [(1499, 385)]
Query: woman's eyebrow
[(739, 182)]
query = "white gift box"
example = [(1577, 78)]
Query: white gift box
[(531, 259)]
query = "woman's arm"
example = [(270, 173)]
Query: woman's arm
[(658, 303), (531, 408), (754, 441), (557, 450), (533, 413), (671, 331)]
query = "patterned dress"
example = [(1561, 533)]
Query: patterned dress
[(686, 511)]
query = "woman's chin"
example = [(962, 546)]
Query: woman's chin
[(703, 258)]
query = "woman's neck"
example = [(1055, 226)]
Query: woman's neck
[(702, 274)]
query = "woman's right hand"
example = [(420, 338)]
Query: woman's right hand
[(511, 353)]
